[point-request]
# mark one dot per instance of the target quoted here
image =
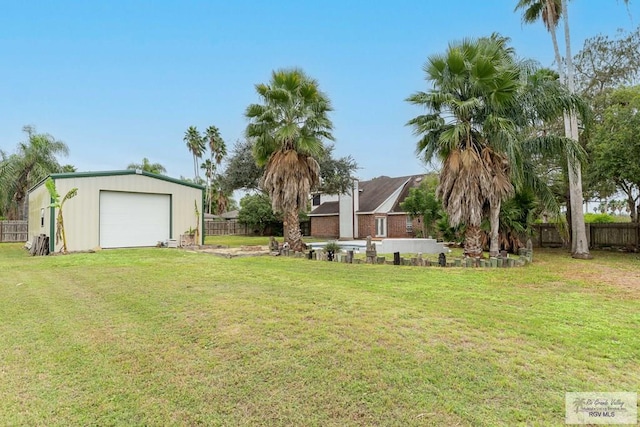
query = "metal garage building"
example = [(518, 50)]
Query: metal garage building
[(117, 209)]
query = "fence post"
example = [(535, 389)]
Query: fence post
[(539, 235)]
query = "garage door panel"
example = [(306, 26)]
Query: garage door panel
[(133, 219)]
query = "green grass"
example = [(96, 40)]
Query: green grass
[(172, 337), (237, 241)]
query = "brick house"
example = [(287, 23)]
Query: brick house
[(371, 209)]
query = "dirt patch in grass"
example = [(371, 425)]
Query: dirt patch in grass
[(602, 273), (605, 275), (225, 252)]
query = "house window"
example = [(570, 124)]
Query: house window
[(381, 226), (409, 225), (316, 200), (42, 218)]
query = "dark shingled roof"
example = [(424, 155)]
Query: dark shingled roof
[(327, 208), (374, 192)]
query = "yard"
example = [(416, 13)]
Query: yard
[(172, 337)]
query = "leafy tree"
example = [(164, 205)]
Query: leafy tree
[(242, 172), (422, 203), (147, 166), (616, 147), (59, 204), (34, 160), (287, 130), (256, 212), (604, 63), (196, 145), (336, 174)]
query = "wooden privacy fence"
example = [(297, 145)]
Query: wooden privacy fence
[(233, 227), (13, 231), (223, 228), (617, 235)]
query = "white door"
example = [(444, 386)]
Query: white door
[(133, 219)]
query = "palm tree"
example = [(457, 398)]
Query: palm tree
[(196, 145), (473, 81), (218, 151), (147, 166), (34, 160), (216, 144), (287, 130), (481, 106), (219, 195), (550, 12)]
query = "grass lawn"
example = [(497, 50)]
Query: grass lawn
[(237, 241), (173, 337)]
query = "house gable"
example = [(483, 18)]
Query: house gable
[(384, 194), (378, 197)]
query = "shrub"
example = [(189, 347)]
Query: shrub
[(332, 246), (600, 218)]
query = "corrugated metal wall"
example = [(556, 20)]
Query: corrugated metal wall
[(82, 213), (39, 199)]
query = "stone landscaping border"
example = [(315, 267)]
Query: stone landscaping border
[(524, 257)]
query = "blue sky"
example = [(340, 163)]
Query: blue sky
[(122, 80)]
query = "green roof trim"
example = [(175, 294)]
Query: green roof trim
[(117, 173), (52, 226)]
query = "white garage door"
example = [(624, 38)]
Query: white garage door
[(133, 219)]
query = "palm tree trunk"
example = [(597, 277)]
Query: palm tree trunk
[(21, 208), (292, 227), (579, 243), (556, 52), (494, 218), (473, 241)]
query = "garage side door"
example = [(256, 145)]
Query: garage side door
[(133, 219)]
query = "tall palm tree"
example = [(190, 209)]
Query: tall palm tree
[(196, 145), (579, 242), (216, 144), (287, 130), (147, 166), (218, 151), (550, 11), (473, 84), (209, 168), (34, 160), (480, 107)]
